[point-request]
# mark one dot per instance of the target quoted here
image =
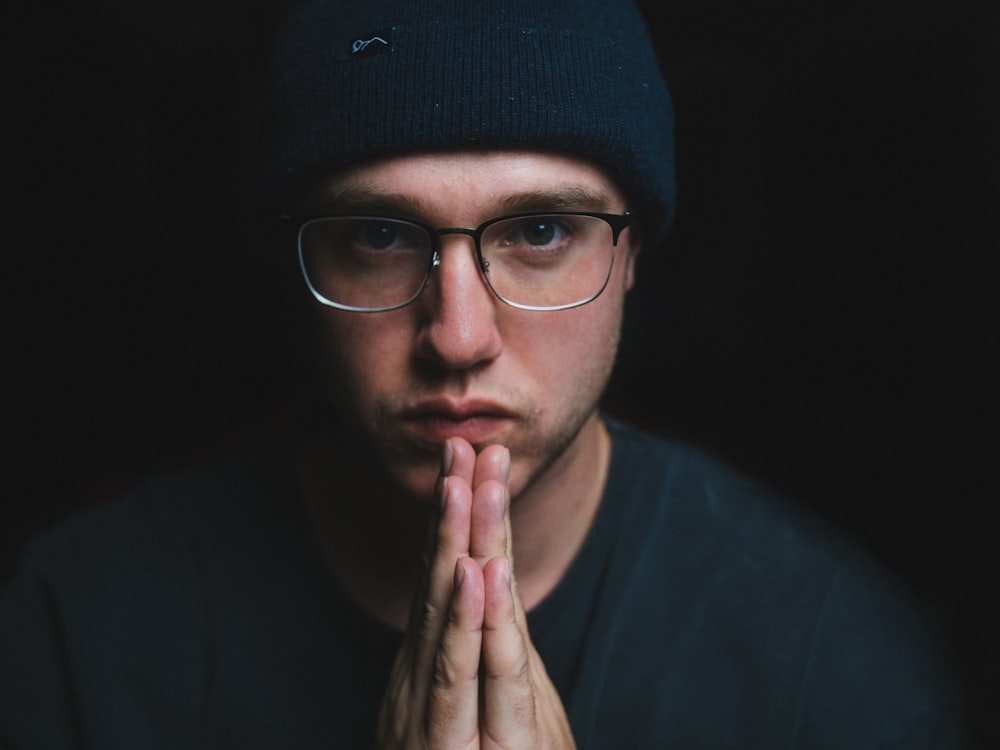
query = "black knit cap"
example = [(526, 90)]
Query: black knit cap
[(355, 80)]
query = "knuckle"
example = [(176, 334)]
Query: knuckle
[(444, 675), (430, 614), (448, 672)]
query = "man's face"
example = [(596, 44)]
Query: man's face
[(458, 361)]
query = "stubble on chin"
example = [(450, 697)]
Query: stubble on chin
[(413, 465)]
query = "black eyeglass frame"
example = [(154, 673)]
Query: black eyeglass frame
[(618, 223)]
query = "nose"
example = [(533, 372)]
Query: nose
[(459, 312)]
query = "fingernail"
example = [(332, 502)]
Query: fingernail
[(447, 456), (459, 575), (506, 465), (444, 492), (506, 570)]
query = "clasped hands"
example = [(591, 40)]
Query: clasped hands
[(467, 676)]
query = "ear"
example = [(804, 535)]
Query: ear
[(632, 249)]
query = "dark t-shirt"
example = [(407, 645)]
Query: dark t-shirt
[(703, 611)]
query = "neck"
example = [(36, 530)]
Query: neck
[(373, 536)]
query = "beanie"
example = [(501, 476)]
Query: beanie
[(351, 81)]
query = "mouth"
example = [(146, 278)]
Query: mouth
[(479, 422)]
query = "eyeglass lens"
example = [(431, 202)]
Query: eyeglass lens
[(540, 261)]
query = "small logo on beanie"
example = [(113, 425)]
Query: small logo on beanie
[(371, 44), (360, 44)]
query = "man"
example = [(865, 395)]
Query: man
[(458, 551)]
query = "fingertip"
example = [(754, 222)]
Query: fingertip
[(500, 573), (493, 462), (447, 457), (498, 577), (465, 568), (463, 459)]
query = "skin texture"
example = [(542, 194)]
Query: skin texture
[(477, 421), (468, 675)]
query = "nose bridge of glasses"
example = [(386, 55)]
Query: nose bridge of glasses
[(437, 234)]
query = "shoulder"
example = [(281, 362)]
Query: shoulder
[(735, 532), (677, 488), (115, 602), (154, 526), (142, 550), (767, 608), (90, 597)]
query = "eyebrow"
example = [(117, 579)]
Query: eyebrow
[(566, 198), (365, 200)]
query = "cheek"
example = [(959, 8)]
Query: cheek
[(572, 351), (592, 329), (360, 350)]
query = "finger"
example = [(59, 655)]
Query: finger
[(488, 531), (493, 462), (420, 664), (453, 701), (509, 701), (459, 460), (450, 538), (520, 705), (449, 534), (430, 612)]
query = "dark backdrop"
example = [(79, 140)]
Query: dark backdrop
[(823, 317)]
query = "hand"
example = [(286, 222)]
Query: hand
[(467, 676)]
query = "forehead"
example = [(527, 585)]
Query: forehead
[(470, 185)]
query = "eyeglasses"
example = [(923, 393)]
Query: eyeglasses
[(538, 261)]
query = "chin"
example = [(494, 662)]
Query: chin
[(414, 472)]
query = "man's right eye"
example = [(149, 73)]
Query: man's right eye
[(379, 235)]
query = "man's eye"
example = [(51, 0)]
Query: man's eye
[(543, 231), (540, 232), (378, 235)]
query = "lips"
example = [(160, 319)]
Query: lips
[(477, 421)]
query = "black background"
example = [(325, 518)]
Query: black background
[(823, 317)]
